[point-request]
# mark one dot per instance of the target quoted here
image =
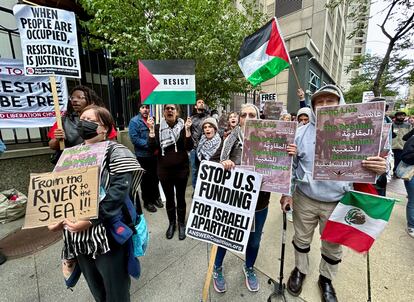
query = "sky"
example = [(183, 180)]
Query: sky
[(377, 42)]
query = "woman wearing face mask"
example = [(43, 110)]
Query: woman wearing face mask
[(172, 139), (105, 263), (230, 157)]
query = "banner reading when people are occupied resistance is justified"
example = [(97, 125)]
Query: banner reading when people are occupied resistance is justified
[(27, 102), (345, 136), (264, 148), (223, 206), (49, 41)]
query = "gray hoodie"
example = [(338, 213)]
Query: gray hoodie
[(326, 191)]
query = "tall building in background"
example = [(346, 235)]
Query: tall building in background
[(356, 45), (315, 38)]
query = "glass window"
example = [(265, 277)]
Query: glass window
[(314, 81)]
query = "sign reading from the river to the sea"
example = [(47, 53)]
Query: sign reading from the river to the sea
[(346, 135), (264, 148)]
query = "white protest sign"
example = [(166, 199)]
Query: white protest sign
[(27, 102), (266, 97), (49, 41), (367, 96), (223, 206)]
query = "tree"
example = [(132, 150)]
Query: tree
[(208, 31), (394, 75), (399, 11)]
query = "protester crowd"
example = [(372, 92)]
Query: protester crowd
[(171, 151)]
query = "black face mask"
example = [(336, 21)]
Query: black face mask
[(86, 129)]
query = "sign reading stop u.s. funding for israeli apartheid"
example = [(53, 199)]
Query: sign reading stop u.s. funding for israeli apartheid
[(49, 41), (223, 206), (53, 197)]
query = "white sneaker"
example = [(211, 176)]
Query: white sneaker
[(410, 232)]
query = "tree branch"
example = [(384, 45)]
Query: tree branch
[(382, 26)]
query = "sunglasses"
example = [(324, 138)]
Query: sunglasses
[(251, 115)]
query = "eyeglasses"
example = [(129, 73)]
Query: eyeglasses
[(72, 98), (250, 114), (169, 108)]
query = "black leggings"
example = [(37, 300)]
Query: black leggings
[(174, 211)]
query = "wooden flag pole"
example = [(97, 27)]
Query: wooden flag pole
[(52, 80), (209, 272), (296, 76)]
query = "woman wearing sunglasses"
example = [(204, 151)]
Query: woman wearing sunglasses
[(172, 139)]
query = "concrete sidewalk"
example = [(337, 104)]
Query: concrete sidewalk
[(174, 270)]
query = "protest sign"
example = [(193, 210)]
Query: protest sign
[(53, 197), (264, 148), (81, 156), (367, 96), (49, 41), (385, 139), (27, 102), (346, 135), (223, 206), (167, 81), (270, 107)]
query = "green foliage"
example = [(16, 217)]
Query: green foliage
[(208, 31), (398, 72)]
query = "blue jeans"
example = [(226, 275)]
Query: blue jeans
[(409, 186), (194, 167), (252, 245)]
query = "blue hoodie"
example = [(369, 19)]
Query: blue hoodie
[(325, 191)]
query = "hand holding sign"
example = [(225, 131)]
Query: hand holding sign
[(376, 164), (291, 149), (78, 226)]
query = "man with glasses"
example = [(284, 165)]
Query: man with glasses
[(138, 133)]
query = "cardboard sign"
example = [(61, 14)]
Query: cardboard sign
[(27, 102), (49, 41), (223, 206), (53, 197), (264, 148), (346, 135), (81, 156)]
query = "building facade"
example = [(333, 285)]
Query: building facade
[(315, 38), (356, 45)]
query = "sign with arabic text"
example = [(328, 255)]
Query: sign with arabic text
[(345, 136), (264, 148)]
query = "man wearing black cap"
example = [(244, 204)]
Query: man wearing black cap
[(400, 128), (138, 133)]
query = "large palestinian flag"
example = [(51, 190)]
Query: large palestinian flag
[(358, 220), (167, 81), (263, 54)]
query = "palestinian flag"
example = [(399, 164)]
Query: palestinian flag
[(263, 54), (167, 81), (358, 220)]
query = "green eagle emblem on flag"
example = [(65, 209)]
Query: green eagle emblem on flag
[(355, 216)]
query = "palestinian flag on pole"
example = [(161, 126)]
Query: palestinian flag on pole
[(167, 81), (263, 54), (358, 220)]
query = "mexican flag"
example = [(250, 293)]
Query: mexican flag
[(167, 81), (263, 54), (358, 220)]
